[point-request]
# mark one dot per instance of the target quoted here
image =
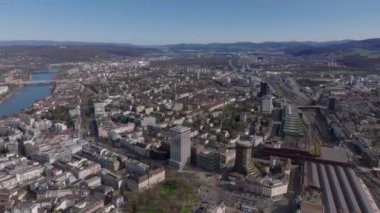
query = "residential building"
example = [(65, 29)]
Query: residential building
[(141, 183)]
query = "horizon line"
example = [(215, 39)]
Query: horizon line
[(185, 43)]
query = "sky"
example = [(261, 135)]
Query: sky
[(188, 21)]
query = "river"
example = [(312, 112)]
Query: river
[(27, 95)]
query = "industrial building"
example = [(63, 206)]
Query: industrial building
[(292, 124), (341, 189)]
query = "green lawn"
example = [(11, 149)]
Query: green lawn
[(173, 195), (186, 209), (168, 186), (151, 211)]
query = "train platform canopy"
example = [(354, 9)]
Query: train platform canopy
[(341, 189)]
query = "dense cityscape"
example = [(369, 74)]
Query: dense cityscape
[(197, 106), (191, 132)]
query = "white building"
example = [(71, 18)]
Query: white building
[(8, 182), (83, 172), (266, 105), (148, 121), (148, 110), (29, 173), (60, 127), (61, 193), (25, 207), (42, 124), (180, 146), (140, 108), (99, 109), (269, 187), (19, 175), (3, 89)]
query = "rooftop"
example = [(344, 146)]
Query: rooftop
[(335, 153), (181, 129)]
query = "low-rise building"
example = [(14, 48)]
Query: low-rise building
[(6, 198), (25, 207), (141, 183), (3, 89), (89, 206), (43, 194), (84, 171), (111, 179), (93, 182), (99, 109), (268, 187), (136, 166)]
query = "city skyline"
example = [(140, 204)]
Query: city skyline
[(171, 22)]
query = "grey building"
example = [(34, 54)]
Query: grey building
[(180, 146), (264, 89), (208, 160), (331, 104), (243, 156)]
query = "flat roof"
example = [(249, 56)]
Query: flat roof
[(335, 153), (180, 129)]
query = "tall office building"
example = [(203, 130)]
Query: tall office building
[(266, 105), (264, 89), (180, 146), (331, 105), (243, 157)]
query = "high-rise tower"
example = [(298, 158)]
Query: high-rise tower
[(180, 146), (243, 156)]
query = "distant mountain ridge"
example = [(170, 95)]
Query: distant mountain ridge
[(340, 48), (170, 46), (65, 52), (295, 48), (57, 43), (241, 46)]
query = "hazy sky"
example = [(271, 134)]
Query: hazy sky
[(188, 21)]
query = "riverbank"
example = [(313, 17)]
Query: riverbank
[(12, 92), (23, 97)]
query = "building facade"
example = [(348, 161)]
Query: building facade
[(208, 160), (180, 146), (243, 156), (266, 105)]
